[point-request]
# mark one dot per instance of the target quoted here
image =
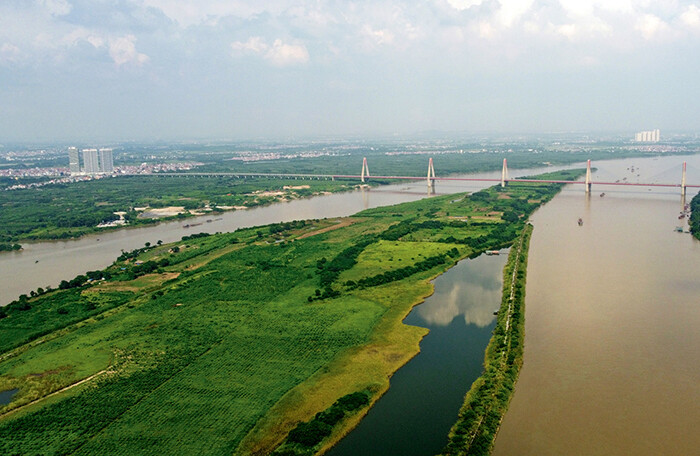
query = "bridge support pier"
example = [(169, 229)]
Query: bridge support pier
[(588, 177), (365, 170), (683, 183), (431, 173), (504, 173)]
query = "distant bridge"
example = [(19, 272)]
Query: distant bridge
[(431, 177)]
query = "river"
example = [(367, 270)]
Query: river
[(612, 312), (612, 346), (414, 417), (47, 263)]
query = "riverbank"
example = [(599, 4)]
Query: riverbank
[(84, 208), (486, 402), (694, 219)]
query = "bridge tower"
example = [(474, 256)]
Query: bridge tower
[(504, 173), (365, 169), (683, 184), (431, 173), (588, 177)]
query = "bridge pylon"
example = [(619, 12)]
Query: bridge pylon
[(365, 169), (683, 183), (431, 173), (504, 173), (588, 177)]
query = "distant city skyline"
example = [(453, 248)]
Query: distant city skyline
[(84, 71)]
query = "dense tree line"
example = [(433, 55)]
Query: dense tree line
[(402, 273), (303, 439), (329, 271), (694, 219), (7, 247)]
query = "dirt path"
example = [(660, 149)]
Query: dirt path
[(66, 388), (343, 223)]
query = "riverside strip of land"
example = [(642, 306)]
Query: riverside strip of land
[(276, 338)]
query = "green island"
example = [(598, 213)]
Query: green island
[(694, 219), (268, 339)]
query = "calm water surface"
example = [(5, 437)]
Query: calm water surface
[(414, 417), (6, 396), (612, 346)]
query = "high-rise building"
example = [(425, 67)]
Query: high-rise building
[(90, 161), (648, 136), (73, 160), (106, 161)]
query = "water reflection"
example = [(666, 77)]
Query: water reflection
[(472, 292), (6, 396), (414, 417)]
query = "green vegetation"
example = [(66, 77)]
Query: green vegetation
[(306, 437), (241, 342), (488, 399), (694, 219), (63, 211)]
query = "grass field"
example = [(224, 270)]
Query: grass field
[(223, 344)]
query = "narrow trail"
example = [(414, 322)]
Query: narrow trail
[(66, 388)]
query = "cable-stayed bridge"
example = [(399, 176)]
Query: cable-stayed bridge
[(431, 177)]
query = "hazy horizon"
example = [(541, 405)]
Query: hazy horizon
[(166, 70)]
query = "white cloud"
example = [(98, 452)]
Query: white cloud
[(123, 51), (691, 16), (194, 12), (279, 53), (82, 34), (9, 53), (650, 26), (56, 7), (283, 54), (378, 36), (464, 4), (254, 45), (512, 10)]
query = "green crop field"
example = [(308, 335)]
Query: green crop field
[(233, 343)]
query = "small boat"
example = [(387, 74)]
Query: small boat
[(493, 252), (36, 261), (185, 226), (679, 229), (209, 220), (602, 195), (495, 312), (580, 222)]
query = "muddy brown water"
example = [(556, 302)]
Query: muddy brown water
[(612, 346)]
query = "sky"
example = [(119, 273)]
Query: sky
[(79, 70)]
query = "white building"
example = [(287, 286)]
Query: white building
[(73, 160), (648, 136), (91, 163), (106, 161)]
